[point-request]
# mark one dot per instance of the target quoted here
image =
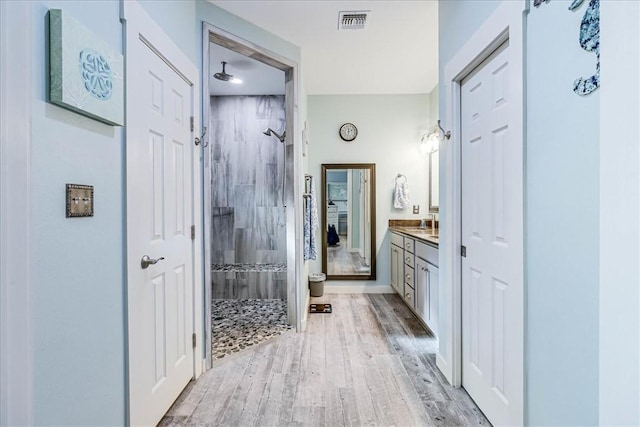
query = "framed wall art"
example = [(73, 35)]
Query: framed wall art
[(86, 74)]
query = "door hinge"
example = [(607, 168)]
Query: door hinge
[(463, 251), (193, 340), (193, 232), (192, 124)]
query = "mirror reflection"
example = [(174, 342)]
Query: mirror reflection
[(348, 200)]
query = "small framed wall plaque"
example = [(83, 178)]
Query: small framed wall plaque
[(79, 200)]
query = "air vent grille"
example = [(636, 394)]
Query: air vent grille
[(354, 20)]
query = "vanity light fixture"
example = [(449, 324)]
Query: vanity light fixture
[(430, 141)]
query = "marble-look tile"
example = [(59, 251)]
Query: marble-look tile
[(268, 257), (223, 236), (245, 245), (246, 175), (221, 190), (244, 204), (269, 187)]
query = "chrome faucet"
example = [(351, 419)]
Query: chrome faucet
[(423, 223)]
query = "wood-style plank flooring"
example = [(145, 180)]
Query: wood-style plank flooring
[(369, 363)]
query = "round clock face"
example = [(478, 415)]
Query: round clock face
[(348, 132)]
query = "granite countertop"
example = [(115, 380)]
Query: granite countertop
[(411, 229)]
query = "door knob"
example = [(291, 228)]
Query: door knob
[(146, 261)]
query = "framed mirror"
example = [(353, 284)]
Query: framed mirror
[(434, 182), (348, 220)]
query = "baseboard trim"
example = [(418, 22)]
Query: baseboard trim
[(358, 289)]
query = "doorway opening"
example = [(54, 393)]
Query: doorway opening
[(248, 191)]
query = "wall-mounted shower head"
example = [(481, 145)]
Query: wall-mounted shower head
[(270, 132)]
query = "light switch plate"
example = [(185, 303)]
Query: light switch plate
[(79, 200), (416, 209)]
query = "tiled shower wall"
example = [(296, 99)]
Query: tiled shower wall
[(248, 241)]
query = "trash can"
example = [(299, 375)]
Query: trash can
[(316, 284)]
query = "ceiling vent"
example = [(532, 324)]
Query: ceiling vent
[(354, 20)]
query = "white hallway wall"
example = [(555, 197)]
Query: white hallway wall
[(561, 209), (620, 215), (389, 130)]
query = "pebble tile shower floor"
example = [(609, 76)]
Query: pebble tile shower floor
[(239, 324)]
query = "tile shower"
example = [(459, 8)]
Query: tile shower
[(248, 232)]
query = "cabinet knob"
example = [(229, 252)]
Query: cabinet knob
[(408, 276)]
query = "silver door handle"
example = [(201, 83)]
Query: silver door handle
[(146, 261)]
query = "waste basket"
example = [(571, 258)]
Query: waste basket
[(316, 284)]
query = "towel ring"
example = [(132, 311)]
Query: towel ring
[(401, 176)]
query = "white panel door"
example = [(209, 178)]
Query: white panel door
[(159, 218), (492, 271)]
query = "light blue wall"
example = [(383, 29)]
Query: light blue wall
[(336, 176), (177, 18), (562, 222), (561, 209), (458, 20), (389, 131), (78, 268)]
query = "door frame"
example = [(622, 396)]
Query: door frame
[(294, 183), (506, 23), (16, 303), (138, 25)]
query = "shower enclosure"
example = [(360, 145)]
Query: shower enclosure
[(248, 232)]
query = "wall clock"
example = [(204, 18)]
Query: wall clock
[(348, 132)]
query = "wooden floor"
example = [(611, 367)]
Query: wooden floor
[(369, 363)]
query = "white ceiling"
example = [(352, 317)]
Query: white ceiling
[(397, 53), (257, 78)]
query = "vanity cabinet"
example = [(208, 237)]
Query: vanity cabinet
[(397, 264), (414, 275), (427, 293)]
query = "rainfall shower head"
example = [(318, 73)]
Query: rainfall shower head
[(225, 77), (270, 132)]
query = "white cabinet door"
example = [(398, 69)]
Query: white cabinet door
[(432, 318), (422, 289), (397, 281)]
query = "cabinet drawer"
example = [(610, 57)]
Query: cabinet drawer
[(409, 244), (408, 276), (427, 253), (409, 296), (397, 240), (409, 259)]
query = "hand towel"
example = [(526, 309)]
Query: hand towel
[(310, 223), (401, 196)]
